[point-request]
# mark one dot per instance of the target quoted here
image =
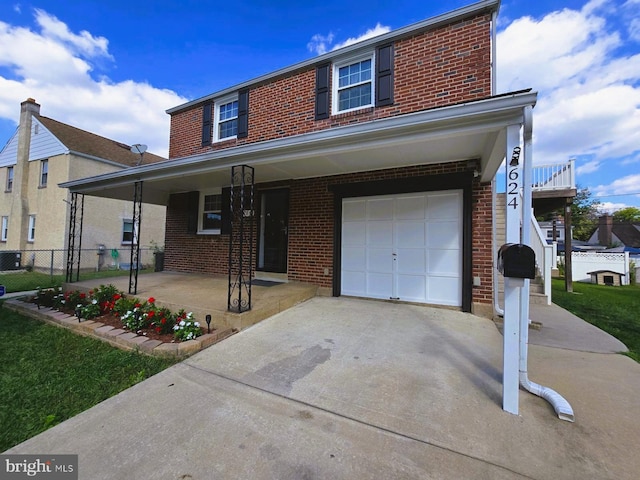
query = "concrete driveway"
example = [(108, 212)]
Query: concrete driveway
[(353, 389)]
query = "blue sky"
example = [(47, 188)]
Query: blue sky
[(114, 67)]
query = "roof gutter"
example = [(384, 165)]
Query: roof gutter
[(434, 22)]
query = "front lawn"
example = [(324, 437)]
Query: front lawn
[(50, 374), (616, 310)]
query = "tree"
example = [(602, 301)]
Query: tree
[(627, 215), (584, 214)]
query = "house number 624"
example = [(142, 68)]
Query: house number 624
[(513, 188)]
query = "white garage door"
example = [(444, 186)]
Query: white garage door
[(406, 247)]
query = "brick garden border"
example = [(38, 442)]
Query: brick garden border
[(118, 337)]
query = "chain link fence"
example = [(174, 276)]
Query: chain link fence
[(23, 270)]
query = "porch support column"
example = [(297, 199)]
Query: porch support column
[(568, 247), (512, 286), (75, 232), (135, 240), (241, 235)]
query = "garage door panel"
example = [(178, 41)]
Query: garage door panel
[(354, 283), (411, 207), (444, 235), (412, 288), (445, 206), (354, 259), (379, 234), (353, 210), (443, 262), (380, 208), (411, 261), (410, 234), (379, 260), (444, 290), (379, 284), (354, 233)]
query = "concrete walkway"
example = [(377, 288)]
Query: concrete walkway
[(353, 389)]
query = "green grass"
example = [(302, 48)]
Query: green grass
[(50, 374), (25, 281), (616, 310)]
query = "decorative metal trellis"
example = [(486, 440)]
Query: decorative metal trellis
[(135, 239), (241, 238), (75, 231)]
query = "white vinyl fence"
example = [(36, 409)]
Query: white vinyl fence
[(585, 262)]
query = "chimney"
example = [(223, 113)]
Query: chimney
[(30, 105), (605, 225)]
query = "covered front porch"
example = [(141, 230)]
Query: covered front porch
[(207, 295)]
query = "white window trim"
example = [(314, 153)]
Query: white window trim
[(134, 233), (216, 118), (335, 81), (31, 233), (203, 193), (4, 229), (42, 172), (9, 188)]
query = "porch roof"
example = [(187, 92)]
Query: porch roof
[(468, 131)]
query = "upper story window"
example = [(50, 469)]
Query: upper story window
[(210, 213), (226, 123), (31, 233), (9, 179), (4, 229), (353, 84), (44, 172)]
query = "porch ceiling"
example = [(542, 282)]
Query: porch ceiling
[(462, 132)]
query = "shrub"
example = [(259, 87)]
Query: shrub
[(186, 328)]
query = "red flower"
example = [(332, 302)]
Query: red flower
[(90, 292), (82, 295), (151, 300), (151, 313), (137, 305), (117, 296), (163, 321), (158, 329)]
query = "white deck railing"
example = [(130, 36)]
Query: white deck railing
[(554, 176), (544, 256)]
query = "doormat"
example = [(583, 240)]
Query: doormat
[(264, 283)]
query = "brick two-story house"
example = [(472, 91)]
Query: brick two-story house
[(373, 166)]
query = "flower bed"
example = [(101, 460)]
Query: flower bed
[(110, 306)]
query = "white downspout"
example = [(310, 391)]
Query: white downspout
[(559, 404), (494, 236)]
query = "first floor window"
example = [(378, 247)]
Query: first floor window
[(5, 229), (226, 125), (44, 172), (9, 179), (127, 231), (31, 235), (353, 87), (210, 213)]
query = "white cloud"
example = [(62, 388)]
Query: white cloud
[(588, 167), (589, 92), (628, 185), (322, 43), (611, 207), (55, 65)]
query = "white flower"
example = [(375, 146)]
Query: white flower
[(197, 325), (182, 323), (94, 301)]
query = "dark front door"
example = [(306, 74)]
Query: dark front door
[(274, 231)]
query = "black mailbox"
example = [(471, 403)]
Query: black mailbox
[(517, 260)]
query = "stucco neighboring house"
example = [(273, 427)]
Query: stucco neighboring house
[(34, 210), (367, 171)]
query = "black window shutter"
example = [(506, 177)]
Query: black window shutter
[(207, 117), (322, 91), (193, 199), (243, 114), (225, 228), (384, 75)]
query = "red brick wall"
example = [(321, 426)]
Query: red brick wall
[(311, 230), (444, 66)]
